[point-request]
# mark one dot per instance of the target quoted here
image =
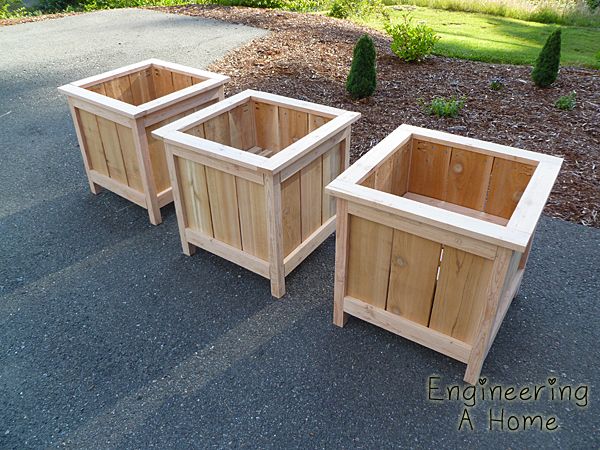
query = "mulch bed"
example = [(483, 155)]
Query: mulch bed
[(307, 56), (27, 19)]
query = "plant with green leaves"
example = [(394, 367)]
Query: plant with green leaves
[(445, 107), (411, 42), (567, 102), (496, 84), (545, 70), (342, 9), (12, 8), (362, 79)]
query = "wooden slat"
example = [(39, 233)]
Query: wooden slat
[(293, 125), (429, 169), (384, 175), (456, 208), (163, 82), (98, 88), (130, 157), (369, 251), (195, 200), (332, 167), (142, 89), (180, 80), (300, 253), (120, 89), (342, 219), (267, 126), (290, 210), (508, 182), (401, 169), (158, 159), (460, 295), (198, 131), (413, 274), (468, 178), (311, 196), (112, 149), (315, 121), (119, 188), (224, 207), (241, 127), (253, 218), (93, 142), (217, 129)]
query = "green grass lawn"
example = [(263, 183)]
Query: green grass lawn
[(482, 37)]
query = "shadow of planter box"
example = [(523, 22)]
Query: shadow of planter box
[(248, 178), (433, 234), (114, 114)]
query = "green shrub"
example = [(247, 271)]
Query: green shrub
[(567, 102), (546, 66), (361, 9), (445, 107), (496, 84), (411, 42), (12, 8), (362, 79)]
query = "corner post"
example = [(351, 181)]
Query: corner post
[(341, 262), (140, 140), (275, 233), (95, 188), (481, 344)]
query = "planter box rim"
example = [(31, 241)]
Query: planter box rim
[(78, 89), (174, 133), (514, 235)]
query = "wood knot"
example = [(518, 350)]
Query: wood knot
[(458, 168), (400, 262)]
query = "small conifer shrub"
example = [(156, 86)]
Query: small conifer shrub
[(362, 79), (546, 66)]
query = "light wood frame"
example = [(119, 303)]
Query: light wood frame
[(114, 114), (430, 269), (264, 206)]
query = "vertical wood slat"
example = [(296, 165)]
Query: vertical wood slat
[(267, 126), (429, 169), (290, 210), (181, 81), (508, 181), (293, 125), (462, 284), (142, 87), (217, 129), (130, 159), (468, 178), (195, 199), (413, 273), (158, 158), (91, 134), (120, 89), (242, 127), (112, 149), (401, 169), (311, 196), (253, 218), (369, 252), (222, 193), (163, 82)]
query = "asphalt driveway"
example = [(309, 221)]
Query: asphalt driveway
[(111, 338)]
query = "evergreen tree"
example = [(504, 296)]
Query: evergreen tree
[(362, 79), (546, 66)]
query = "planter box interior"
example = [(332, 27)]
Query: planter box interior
[(114, 114), (433, 235), (249, 176)]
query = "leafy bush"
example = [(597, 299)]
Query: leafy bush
[(496, 84), (567, 102), (362, 79), (546, 66), (343, 9), (445, 107), (11, 8), (411, 42)]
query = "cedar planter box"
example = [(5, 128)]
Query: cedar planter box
[(114, 114), (433, 233), (248, 178)]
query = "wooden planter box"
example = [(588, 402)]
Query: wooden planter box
[(433, 233), (114, 114), (248, 178)]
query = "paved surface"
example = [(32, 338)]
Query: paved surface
[(111, 338)]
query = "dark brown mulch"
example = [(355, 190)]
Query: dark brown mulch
[(308, 56)]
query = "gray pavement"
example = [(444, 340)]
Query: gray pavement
[(111, 338)]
